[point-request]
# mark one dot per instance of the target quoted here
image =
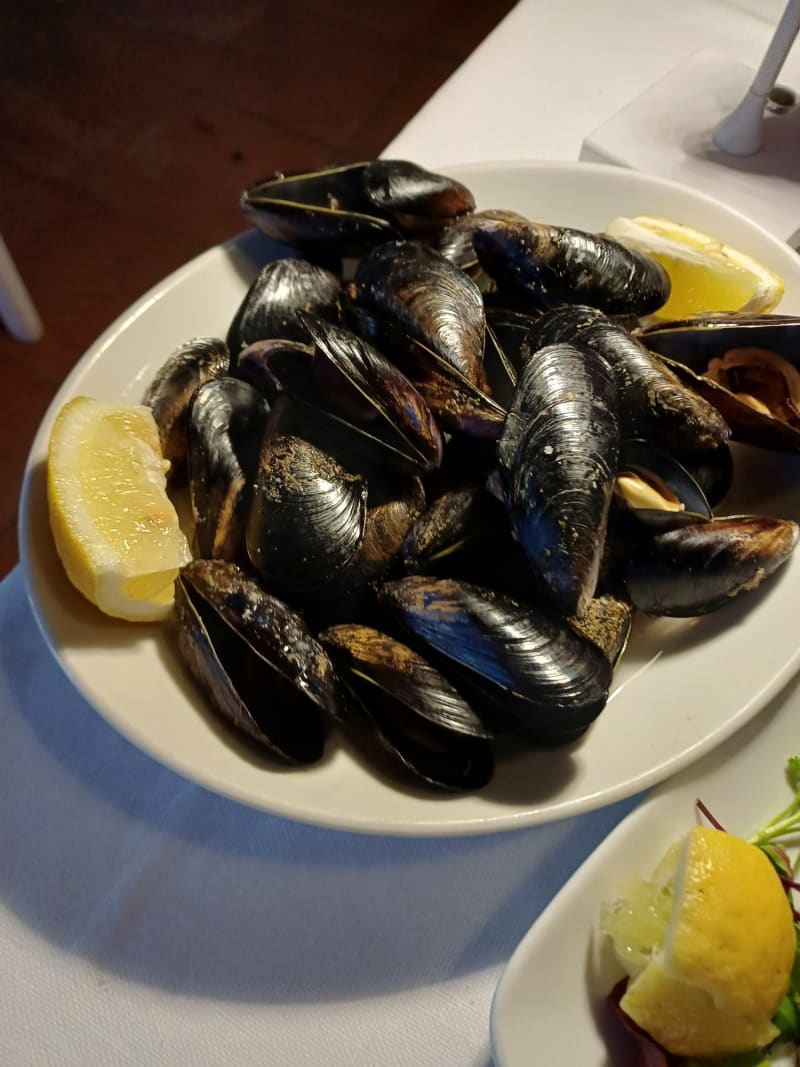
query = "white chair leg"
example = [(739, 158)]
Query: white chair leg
[(16, 307)]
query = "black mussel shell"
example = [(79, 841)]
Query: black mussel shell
[(541, 266), (411, 293), (226, 423), (168, 395), (694, 341), (653, 402), (656, 488), (558, 461), (275, 365), (307, 517), (321, 209), (547, 681), (697, 569), (279, 291), (417, 715), (370, 391), (455, 243), (416, 200), (256, 661)]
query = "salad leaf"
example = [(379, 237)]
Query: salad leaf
[(787, 822)]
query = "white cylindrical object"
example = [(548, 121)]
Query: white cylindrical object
[(741, 133), (16, 307)]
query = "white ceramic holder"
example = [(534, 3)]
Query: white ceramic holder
[(667, 130)]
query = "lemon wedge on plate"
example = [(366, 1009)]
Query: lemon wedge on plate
[(706, 275), (709, 943), (115, 528)]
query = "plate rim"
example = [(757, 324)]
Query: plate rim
[(446, 825)]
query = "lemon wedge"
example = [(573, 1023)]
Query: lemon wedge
[(709, 943), (115, 528), (706, 275)]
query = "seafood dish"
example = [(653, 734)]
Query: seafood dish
[(441, 462)]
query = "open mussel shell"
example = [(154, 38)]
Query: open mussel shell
[(558, 461), (226, 423), (369, 390), (748, 367), (653, 402), (540, 266), (653, 486), (195, 361), (279, 291), (696, 569), (416, 714), (256, 661), (547, 682), (307, 517), (411, 293)]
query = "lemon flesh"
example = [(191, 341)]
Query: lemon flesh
[(705, 274), (709, 943), (114, 527)]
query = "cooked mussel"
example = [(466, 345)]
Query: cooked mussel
[(558, 461), (653, 402), (653, 486), (256, 661), (281, 290), (407, 292), (416, 714), (307, 517), (748, 367), (541, 266), (699, 568), (456, 244), (195, 361), (356, 380), (547, 682), (455, 521), (350, 209), (226, 422)]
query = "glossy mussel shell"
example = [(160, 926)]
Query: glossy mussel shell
[(226, 422), (307, 518), (653, 402), (417, 715), (281, 290), (541, 266), (546, 681), (350, 209), (558, 461), (256, 661), (696, 569), (169, 394)]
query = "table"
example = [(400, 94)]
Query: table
[(144, 920)]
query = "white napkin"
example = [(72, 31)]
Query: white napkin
[(145, 920)]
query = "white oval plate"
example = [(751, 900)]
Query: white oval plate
[(550, 999), (682, 687)]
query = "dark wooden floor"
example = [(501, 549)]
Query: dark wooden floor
[(129, 130)]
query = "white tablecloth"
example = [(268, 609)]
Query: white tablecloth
[(144, 920)]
